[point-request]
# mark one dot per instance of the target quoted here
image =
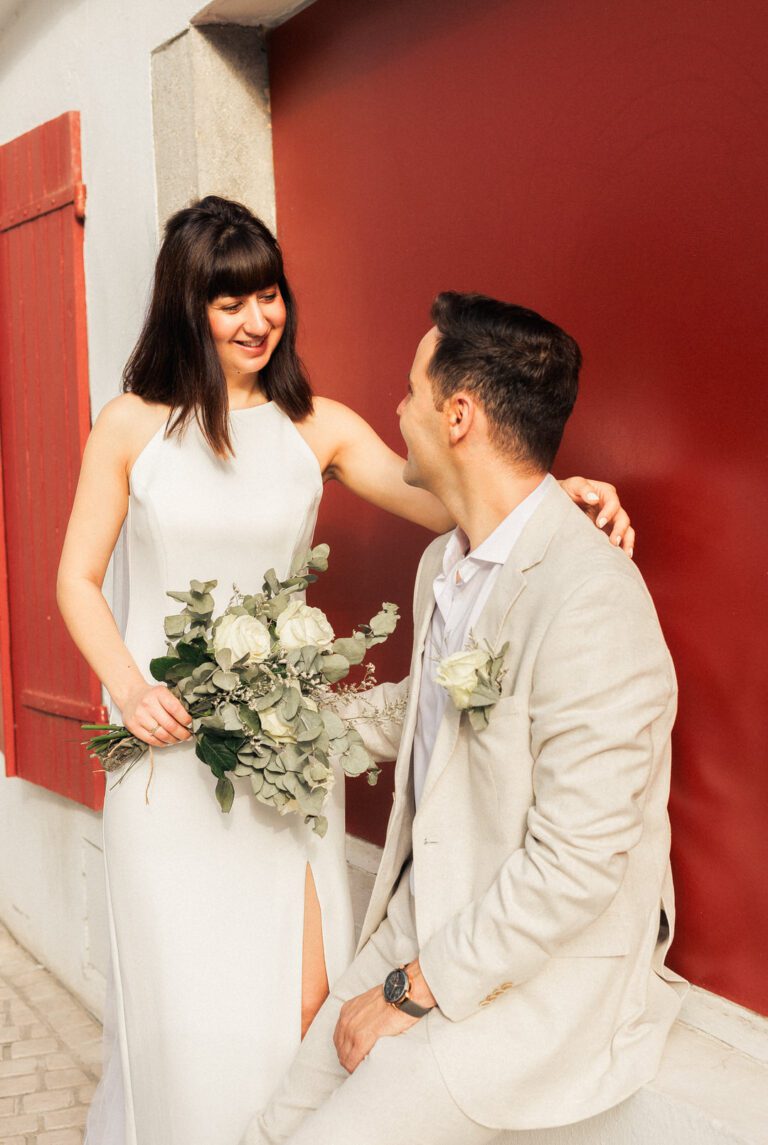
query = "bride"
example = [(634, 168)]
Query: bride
[(225, 930)]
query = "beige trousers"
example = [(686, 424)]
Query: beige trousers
[(395, 1097)]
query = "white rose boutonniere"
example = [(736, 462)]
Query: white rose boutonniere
[(472, 679), (299, 626)]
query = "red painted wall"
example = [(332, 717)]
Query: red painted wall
[(605, 164)]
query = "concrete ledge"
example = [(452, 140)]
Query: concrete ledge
[(711, 1089)]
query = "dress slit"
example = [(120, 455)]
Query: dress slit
[(313, 937)]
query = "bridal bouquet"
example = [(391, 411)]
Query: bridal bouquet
[(257, 681)]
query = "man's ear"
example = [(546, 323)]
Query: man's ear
[(460, 410)]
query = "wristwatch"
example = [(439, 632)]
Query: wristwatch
[(396, 987)]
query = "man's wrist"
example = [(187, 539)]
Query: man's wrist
[(419, 990)]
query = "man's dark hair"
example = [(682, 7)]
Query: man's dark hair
[(523, 370)]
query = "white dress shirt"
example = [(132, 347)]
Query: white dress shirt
[(461, 590)]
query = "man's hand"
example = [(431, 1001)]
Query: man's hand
[(600, 501), (366, 1018)]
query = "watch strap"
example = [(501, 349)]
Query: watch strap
[(408, 1006)]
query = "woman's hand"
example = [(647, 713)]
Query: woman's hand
[(600, 501), (155, 716)]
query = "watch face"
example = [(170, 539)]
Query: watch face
[(395, 986)]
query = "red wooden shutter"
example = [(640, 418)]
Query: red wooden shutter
[(48, 690)]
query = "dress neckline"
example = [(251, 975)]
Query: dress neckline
[(249, 409)]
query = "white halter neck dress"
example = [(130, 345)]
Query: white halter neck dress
[(206, 909)]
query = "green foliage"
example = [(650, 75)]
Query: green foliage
[(260, 710)]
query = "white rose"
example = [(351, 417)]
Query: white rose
[(458, 675), (241, 636), (276, 727), (299, 625)]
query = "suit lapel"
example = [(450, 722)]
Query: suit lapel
[(424, 606), (510, 583)]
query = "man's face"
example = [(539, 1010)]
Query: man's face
[(420, 423)]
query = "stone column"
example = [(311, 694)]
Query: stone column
[(212, 121)]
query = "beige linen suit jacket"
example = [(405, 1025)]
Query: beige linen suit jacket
[(543, 894)]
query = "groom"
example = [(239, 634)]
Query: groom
[(510, 973)]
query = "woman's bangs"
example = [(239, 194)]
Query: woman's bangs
[(244, 267)]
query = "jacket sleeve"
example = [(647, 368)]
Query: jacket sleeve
[(378, 716), (602, 679)]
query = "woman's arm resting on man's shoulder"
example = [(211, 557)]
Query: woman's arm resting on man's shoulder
[(360, 460)]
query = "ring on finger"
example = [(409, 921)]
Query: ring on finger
[(154, 730)]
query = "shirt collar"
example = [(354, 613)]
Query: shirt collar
[(497, 547)]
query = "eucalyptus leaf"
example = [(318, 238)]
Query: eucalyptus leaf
[(201, 606), (177, 672), (271, 583), (352, 648), (483, 697), (290, 703), (292, 757), (225, 793), (230, 714), (182, 597), (175, 625), (310, 657), (334, 667), (478, 718), (316, 772), (225, 681), (319, 824), (257, 782), (261, 703), (310, 726), (277, 605), (212, 720), (383, 624), (318, 558), (356, 760), (202, 586), (292, 784), (321, 745), (311, 802), (334, 725), (249, 719)]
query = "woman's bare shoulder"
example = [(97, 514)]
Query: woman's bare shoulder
[(328, 413), (125, 425), (127, 410)]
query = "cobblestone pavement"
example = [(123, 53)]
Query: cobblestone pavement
[(50, 1054)]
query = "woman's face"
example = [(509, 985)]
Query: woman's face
[(246, 329)]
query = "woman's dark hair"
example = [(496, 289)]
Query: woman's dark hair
[(215, 247), (523, 369)]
